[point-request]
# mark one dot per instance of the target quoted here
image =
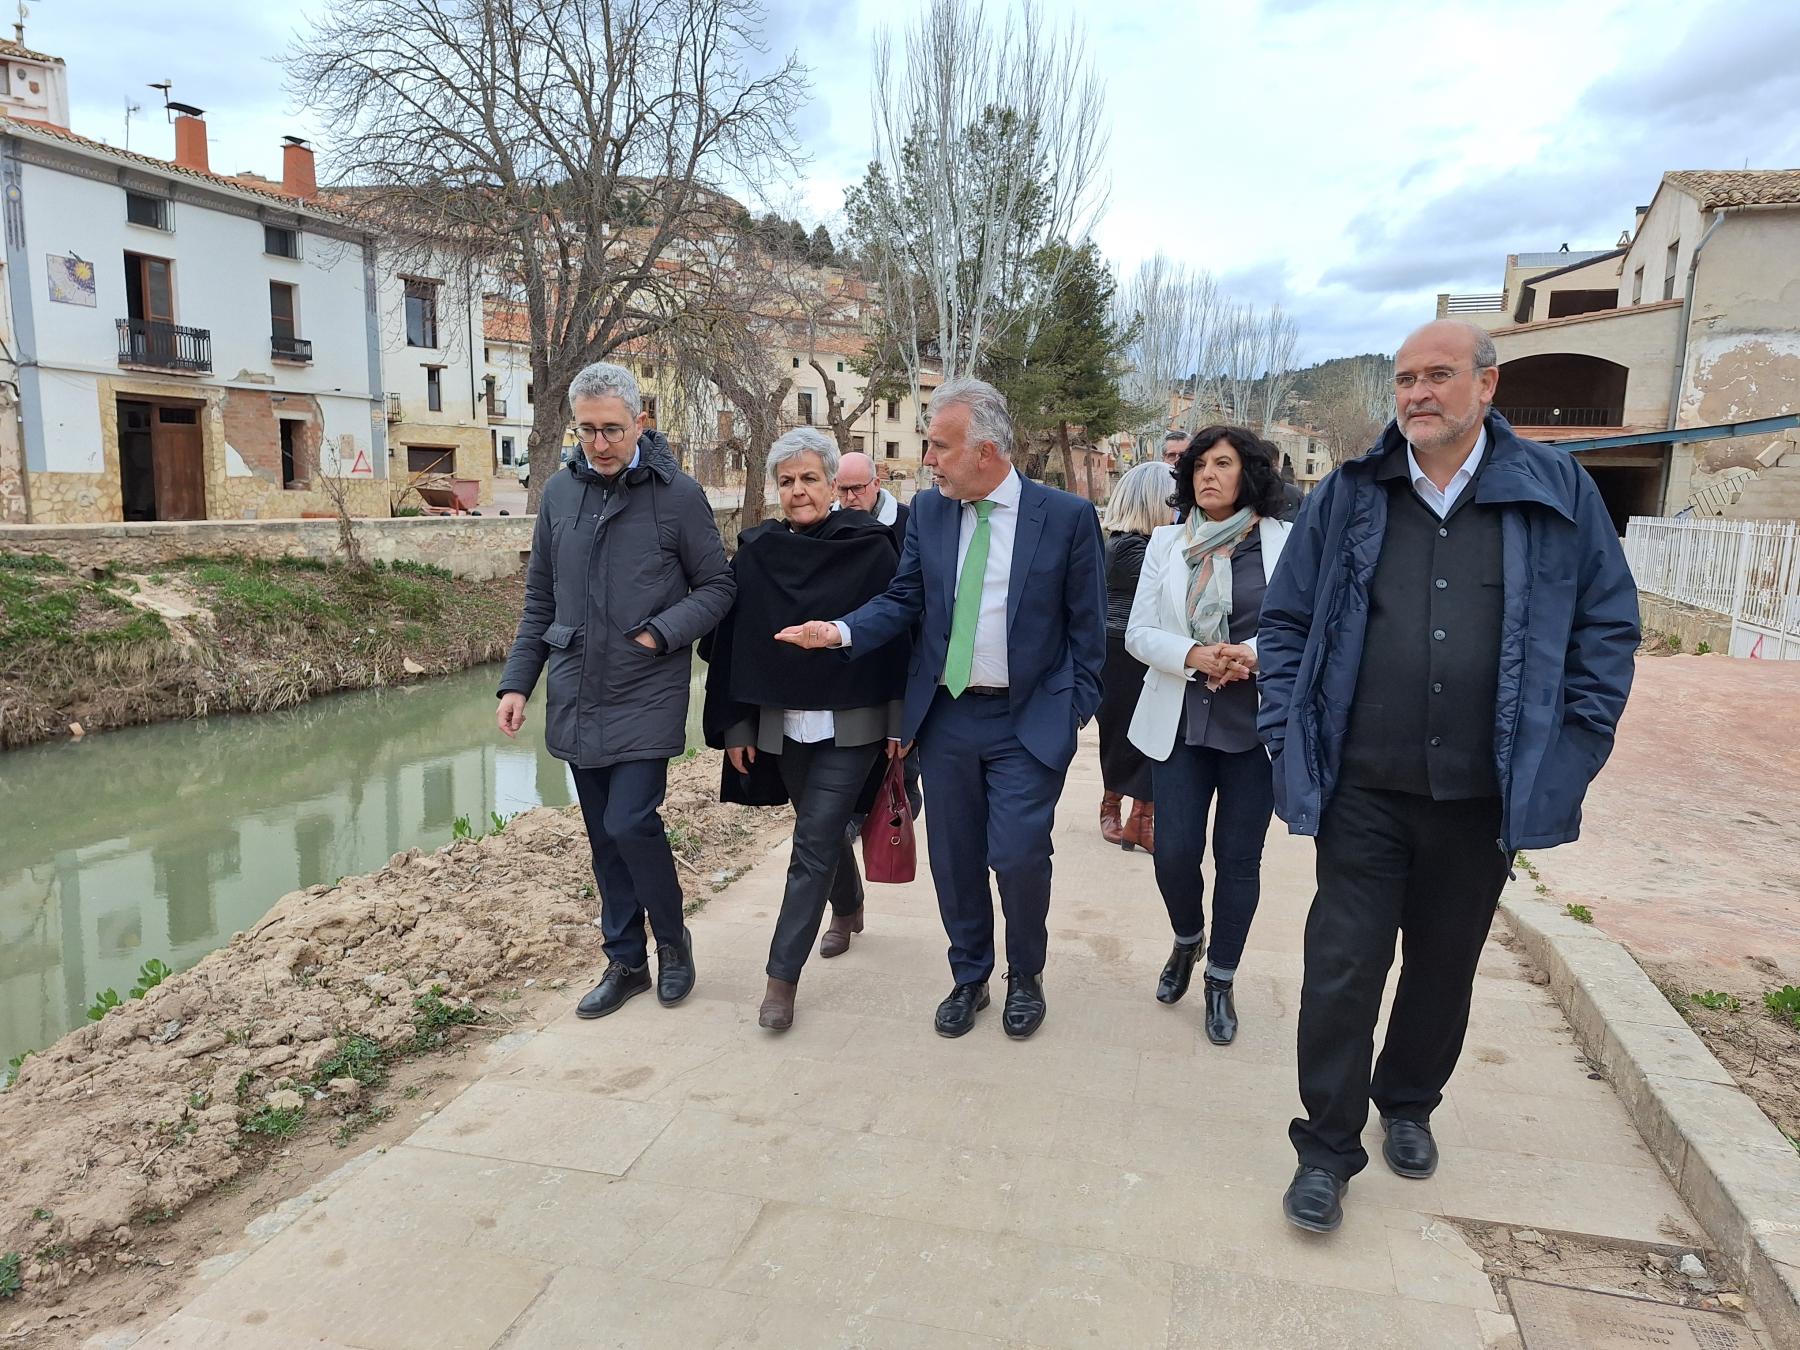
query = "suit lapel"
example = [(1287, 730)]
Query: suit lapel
[(949, 528), (1034, 503)]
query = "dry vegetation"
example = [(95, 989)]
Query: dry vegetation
[(216, 635)]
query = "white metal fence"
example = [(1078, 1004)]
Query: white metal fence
[(1747, 570)]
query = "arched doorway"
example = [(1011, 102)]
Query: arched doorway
[(1562, 389)]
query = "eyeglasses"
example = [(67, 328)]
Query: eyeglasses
[(1436, 378), (612, 435), (850, 489)]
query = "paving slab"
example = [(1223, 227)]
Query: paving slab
[(680, 1177)]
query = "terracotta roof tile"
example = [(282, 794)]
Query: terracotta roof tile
[(10, 48), (36, 130), (1738, 187)]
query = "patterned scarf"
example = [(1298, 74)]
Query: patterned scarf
[(1208, 551)]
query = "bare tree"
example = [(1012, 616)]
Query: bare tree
[(1175, 312), (988, 146), (1277, 337), (337, 491), (570, 148)]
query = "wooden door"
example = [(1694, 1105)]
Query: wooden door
[(180, 467)]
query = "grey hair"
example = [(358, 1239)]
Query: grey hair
[(989, 418), (805, 441), (1140, 500), (1175, 434), (1485, 355), (605, 380)]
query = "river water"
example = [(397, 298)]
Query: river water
[(162, 841)]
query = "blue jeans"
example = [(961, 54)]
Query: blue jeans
[(1186, 784)]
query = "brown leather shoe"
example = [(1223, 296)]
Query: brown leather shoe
[(1140, 829), (1110, 828), (777, 1011), (836, 939)]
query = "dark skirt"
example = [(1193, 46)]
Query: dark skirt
[(1123, 767)]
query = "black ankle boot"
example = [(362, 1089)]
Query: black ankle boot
[(1221, 1011), (1173, 982)]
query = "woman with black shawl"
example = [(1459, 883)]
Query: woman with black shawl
[(797, 725)]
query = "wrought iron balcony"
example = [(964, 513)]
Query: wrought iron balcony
[(290, 348), (1562, 417), (496, 407), (166, 346)]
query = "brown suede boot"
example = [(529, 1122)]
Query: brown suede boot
[(777, 1011), (1140, 829), (836, 939), (1110, 828)]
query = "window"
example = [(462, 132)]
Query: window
[(149, 288), (796, 363), (923, 447), (650, 406), (893, 449), (281, 314), (528, 391), (806, 405), (434, 388), (280, 241), (291, 468), (840, 367), (724, 426), (487, 355), (1669, 271), (893, 410), (5, 78), (1637, 287), (506, 449), (856, 444), (421, 314), (143, 209), (430, 459)]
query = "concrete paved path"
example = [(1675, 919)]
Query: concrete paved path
[(681, 1178)]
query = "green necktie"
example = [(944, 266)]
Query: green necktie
[(961, 659)]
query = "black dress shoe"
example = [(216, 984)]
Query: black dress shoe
[(1409, 1148), (956, 1014), (619, 983), (675, 970), (1314, 1200), (1173, 982), (1025, 1008), (1221, 1011)]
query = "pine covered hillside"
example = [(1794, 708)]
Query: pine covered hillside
[(1339, 378)]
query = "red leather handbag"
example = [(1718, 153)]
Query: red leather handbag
[(890, 853)]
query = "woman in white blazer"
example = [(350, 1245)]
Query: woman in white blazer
[(1193, 625)]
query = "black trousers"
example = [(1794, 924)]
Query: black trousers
[(632, 864), (824, 780), (1390, 862), (1186, 784)]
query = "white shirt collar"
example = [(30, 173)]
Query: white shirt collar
[(1459, 480), (1011, 488)]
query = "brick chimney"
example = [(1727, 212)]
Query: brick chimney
[(297, 173), (190, 142)]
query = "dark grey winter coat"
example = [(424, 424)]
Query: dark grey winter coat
[(606, 565)]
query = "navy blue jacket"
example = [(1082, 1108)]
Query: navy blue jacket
[(1569, 634), (1055, 645)]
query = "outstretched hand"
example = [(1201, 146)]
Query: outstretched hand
[(815, 635)]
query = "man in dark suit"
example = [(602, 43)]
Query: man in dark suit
[(997, 689)]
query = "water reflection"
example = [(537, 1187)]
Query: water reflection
[(162, 841)]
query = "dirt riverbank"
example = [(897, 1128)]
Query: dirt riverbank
[(217, 635), (139, 1146)]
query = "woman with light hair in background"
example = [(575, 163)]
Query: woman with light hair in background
[(796, 727), (1139, 504)]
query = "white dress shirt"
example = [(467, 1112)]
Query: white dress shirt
[(808, 726), (988, 667), (1441, 502)]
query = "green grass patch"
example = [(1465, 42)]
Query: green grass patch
[(357, 1056), (1718, 1002), (269, 1122), (1784, 1003), (1579, 913), (358, 1121), (41, 563), (433, 1018), (255, 591)]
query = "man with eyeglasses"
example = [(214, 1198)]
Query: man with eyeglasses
[(859, 489), (1444, 655), (627, 573)]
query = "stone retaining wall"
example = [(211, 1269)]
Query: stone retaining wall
[(478, 547), (1692, 625)]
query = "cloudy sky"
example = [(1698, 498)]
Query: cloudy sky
[(1345, 158)]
